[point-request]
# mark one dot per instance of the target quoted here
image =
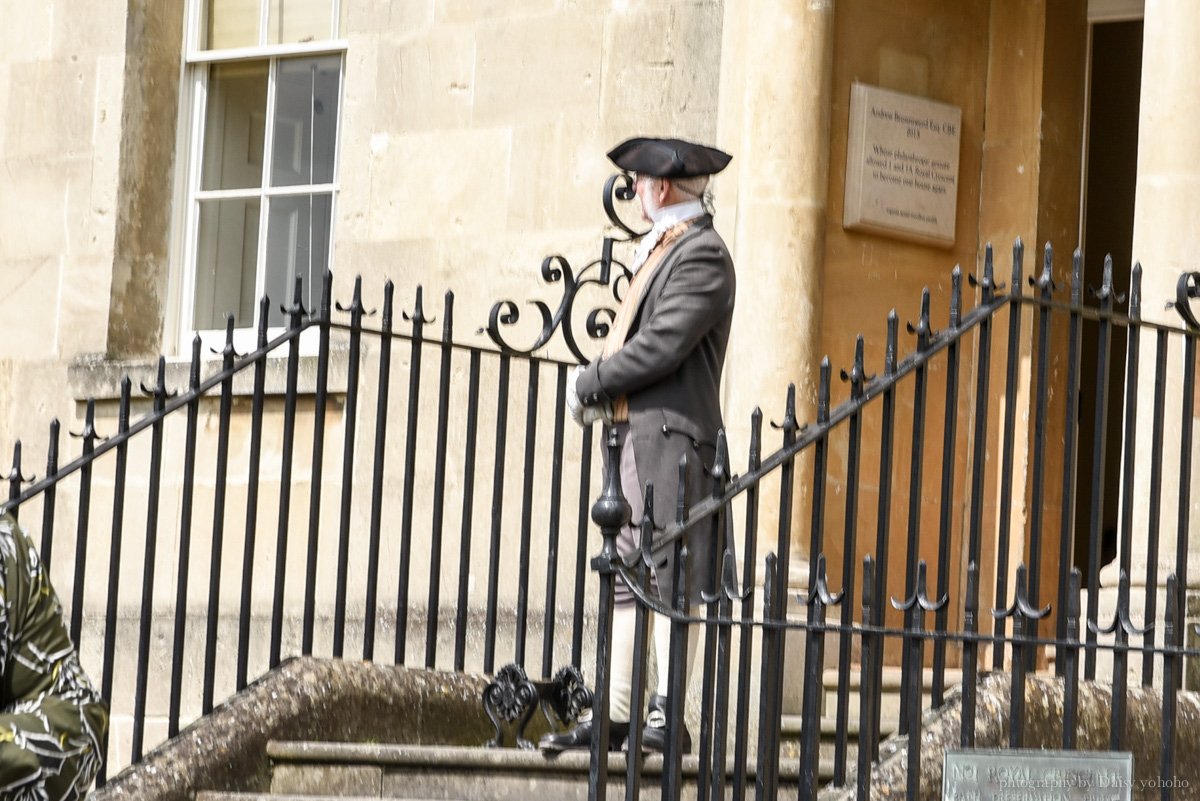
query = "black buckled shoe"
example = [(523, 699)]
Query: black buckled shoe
[(579, 738), (654, 733)]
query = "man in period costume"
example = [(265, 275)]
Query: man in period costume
[(52, 721), (658, 382)]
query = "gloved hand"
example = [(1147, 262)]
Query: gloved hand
[(600, 412), (584, 416), (574, 405)]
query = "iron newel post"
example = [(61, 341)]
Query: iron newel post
[(610, 512)]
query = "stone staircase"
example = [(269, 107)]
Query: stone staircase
[(315, 771), (318, 771)]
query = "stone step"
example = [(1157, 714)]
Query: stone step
[(792, 726), (210, 795), (890, 679), (480, 774), (889, 707)]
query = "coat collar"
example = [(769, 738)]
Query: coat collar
[(701, 223)]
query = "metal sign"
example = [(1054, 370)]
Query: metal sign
[(1029, 775)]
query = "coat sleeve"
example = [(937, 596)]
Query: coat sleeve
[(698, 291)]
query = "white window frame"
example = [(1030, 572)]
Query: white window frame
[(196, 64)]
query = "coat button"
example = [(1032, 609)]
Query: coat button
[(666, 431)]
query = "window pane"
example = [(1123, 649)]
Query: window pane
[(292, 21), (306, 113), (231, 23), (235, 125), (225, 260), (297, 244)]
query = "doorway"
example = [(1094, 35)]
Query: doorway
[(1109, 191)]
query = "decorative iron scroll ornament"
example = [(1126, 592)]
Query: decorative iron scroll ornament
[(1187, 288), (557, 270), (513, 697)]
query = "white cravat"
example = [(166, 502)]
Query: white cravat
[(665, 219)]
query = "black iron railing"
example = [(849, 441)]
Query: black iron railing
[(388, 437), (968, 549), (412, 494), (453, 521)]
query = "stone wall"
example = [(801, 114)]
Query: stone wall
[(1043, 728), (307, 699)]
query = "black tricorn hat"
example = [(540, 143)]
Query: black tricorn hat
[(668, 158)]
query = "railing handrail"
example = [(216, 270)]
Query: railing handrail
[(810, 433)]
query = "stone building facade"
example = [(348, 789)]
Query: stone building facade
[(455, 143)]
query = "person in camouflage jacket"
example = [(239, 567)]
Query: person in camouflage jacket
[(52, 721)]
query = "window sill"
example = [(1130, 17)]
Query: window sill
[(97, 377)]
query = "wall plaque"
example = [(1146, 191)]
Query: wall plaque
[(902, 166), (1031, 775)]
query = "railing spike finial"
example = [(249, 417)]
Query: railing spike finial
[(1170, 629), (123, 406), (1073, 607), (756, 418), (971, 602), (356, 309), (1135, 291), (326, 308), (264, 310), (1021, 604), (987, 284), (227, 350), (418, 317), (919, 597), (89, 417), (729, 578), (789, 412), (1077, 277), (823, 391), (296, 311), (868, 589), (194, 372), (389, 292), (770, 565), (1044, 282), (159, 390), (448, 316), (820, 590), (858, 374), (52, 449), (956, 297), (15, 476), (893, 335), (922, 329), (721, 464), (1106, 291), (1018, 265)]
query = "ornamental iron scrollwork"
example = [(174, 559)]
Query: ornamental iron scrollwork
[(513, 697), (566, 697), (1187, 288), (556, 269)]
